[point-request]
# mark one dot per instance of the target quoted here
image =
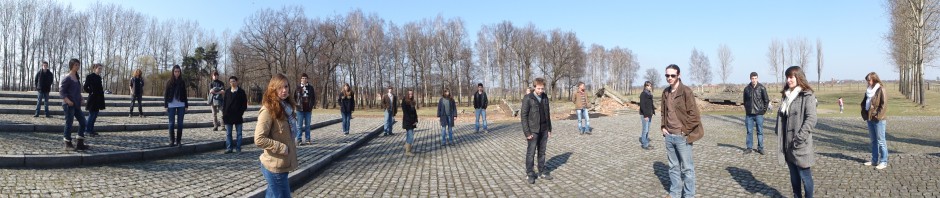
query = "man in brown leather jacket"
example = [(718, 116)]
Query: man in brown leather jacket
[(681, 126)]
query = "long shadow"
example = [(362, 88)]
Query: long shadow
[(746, 179), (842, 157), (557, 161), (591, 115), (662, 173), (935, 154), (888, 136), (731, 146)]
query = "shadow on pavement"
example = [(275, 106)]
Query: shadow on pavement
[(746, 179), (731, 146), (843, 157), (557, 161), (662, 172)]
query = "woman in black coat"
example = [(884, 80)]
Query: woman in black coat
[(95, 98), (234, 104), (409, 121), (347, 105), (176, 103)]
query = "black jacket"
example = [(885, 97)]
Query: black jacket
[(410, 120), (175, 89), (138, 85), (535, 115), (306, 98), (44, 81), (95, 92), (347, 104), (216, 99), (480, 101), (755, 99), (646, 104), (234, 105)]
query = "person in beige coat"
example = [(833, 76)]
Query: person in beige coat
[(277, 125)]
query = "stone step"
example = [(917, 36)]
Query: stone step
[(27, 123), (55, 95), (108, 103), (108, 112)]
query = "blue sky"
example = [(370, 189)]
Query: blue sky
[(658, 32)]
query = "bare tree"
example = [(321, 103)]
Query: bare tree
[(652, 75), (725, 58), (819, 63), (701, 68), (774, 57)]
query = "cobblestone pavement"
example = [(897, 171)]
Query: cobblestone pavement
[(610, 163), (51, 143), (209, 174)]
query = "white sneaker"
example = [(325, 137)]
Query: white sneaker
[(881, 166), (867, 163)]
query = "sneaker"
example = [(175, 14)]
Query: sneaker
[(35, 116), (747, 151), (309, 142), (68, 145), (881, 166), (761, 151), (650, 147), (532, 179), (215, 128), (546, 176), (227, 152), (867, 163)]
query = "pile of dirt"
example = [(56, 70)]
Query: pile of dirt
[(709, 107), (608, 106)]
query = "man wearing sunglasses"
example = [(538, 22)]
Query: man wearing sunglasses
[(680, 126)]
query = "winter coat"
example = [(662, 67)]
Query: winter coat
[(755, 99), (686, 110), (234, 106), (347, 104), (306, 98), (44, 81), (177, 89), (410, 119), (878, 110), (647, 109), (480, 101), (535, 115), (443, 114), (95, 93), (795, 131)]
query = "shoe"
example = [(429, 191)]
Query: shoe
[(80, 144), (238, 151), (130, 115), (227, 152), (408, 150), (867, 163), (35, 116), (142, 115), (346, 134), (48, 116), (532, 179), (309, 142), (93, 134), (747, 151), (178, 144), (68, 145), (650, 147), (215, 128), (299, 142), (881, 166), (761, 151), (172, 144), (546, 176)]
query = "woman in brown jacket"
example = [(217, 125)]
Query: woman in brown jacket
[(277, 125), (874, 109)]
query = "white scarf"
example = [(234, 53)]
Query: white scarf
[(869, 93), (785, 105)]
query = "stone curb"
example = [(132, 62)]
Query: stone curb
[(307, 172), (80, 159), (55, 96), (108, 113), (41, 128), (124, 103)]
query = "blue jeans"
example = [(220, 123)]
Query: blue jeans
[(42, 98), (175, 115), (70, 114), (480, 112), (410, 136), (228, 137), (447, 130), (278, 183), (583, 117), (801, 177), (304, 121), (92, 117), (751, 121), (644, 137), (389, 120), (879, 149), (347, 117), (680, 165)]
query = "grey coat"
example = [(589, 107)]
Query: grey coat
[(795, 131)]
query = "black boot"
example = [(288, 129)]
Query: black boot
[(68, 145), (80, 144)]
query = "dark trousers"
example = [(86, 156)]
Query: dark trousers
[(140, 105), (801, 177), (536, 144), (176, 122)]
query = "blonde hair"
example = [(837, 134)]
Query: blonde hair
[(137, 73), (271, 101)]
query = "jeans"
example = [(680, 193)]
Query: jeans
[(536, 146), (680, 165), (644, 137), (92, 117), (583, 117), (304, 121), (347, 117), (140, 105), (447, 130), (751, 121), (175, 115), (278, 183), (480, 112), (879, 150), (801, 177), (389, 120), (410, 136), (238, 136), (42, 98), (70, 114), (215, 115)]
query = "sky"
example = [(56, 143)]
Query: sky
[(658, 32)]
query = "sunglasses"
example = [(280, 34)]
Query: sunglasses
[(672, 75)]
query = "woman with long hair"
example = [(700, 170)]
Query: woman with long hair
[(95, 98), (796, 122), (409, 121), (137, 92), (874, 110), (176, 104), (347, 105), (447, 112), (274, 133)]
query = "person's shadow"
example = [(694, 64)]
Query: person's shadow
[(746, 179), (662, 173), (557, 161)]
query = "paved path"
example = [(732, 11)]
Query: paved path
[(611, 164)]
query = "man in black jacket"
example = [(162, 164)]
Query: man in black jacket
[(647, 110), (306, 101), (755, 105), (537, 128), (43, 86), (480, 102), (235, 102)]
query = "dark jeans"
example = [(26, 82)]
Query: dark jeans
[(347, 117), (175, 115), (801, 177), (42, 98), (752, 121), (237, 144), (72, 113), (537, 143), (92, 117), (140, 105)]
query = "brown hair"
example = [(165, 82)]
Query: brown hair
[(874, 78), (797, 72), (137, 73), (539, 81), (271, 101), (409, 98)]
